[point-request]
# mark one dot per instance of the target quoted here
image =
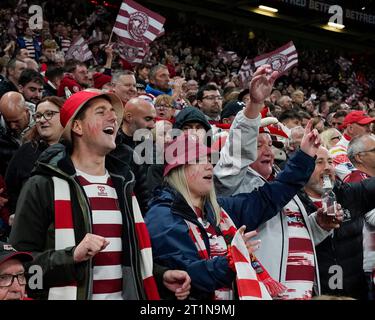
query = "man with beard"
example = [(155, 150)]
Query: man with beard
[(159, 81), (343, 250), (287, 249), (75, 79), (210, 102), (138, 114), (31, 86)]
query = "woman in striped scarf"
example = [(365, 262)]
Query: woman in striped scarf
[(193, 230)]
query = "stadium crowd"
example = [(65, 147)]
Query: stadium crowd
[(86, 188)]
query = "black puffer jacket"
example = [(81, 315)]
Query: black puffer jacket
[(126, 154), (345, 248), (20, 167), (8, 147)]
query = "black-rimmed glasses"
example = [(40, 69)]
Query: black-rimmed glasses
[(48, 115), (6, 280)]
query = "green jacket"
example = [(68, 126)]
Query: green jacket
[(34, 230)]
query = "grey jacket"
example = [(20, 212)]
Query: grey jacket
[(233, 175)]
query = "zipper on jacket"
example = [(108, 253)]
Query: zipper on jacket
[(83, 205), (131, 224), (282, 244), (201, 228)]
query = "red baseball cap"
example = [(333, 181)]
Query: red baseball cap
[(183, 150), (359, 117), (78, 100), (7, 252)]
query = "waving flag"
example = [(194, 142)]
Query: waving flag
[(281, 59), (227, 56), (246, 71), (137, 24), (133, 55), (79, 50)]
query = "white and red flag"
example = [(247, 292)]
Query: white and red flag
[(132, 54), (246, 72), (137, 24), (281, 60), (227, 56), (79, 50)]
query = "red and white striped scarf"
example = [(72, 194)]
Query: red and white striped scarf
[(64, 237), (253, 281)]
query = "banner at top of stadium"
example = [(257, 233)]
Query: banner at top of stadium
[(323, 6)]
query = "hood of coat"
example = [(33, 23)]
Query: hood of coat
[(191, 114), (55, 160)]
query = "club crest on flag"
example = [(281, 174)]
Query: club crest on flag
[(278, 62), (281, 59), (128, 52), (138, 25)]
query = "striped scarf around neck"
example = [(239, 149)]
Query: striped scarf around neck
[(252, 279), (64, 237)]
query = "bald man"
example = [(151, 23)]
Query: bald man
[(15, 121), (138, 114)]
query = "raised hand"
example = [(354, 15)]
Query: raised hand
[(109, 50), (260, 89), (311, 140)]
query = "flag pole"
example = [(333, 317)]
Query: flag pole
[(110, 38)]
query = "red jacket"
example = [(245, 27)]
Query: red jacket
[(69, 82), (4, 212)]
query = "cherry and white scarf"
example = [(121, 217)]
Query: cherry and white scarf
[(253, 281), (64, 237)]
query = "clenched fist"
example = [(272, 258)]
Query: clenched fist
[(89, 247)]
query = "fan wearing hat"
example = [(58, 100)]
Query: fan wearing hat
[(189, 120), (241, 172), (78, 211), (12, 272), (189, 225), (356, 123)]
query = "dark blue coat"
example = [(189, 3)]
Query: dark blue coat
[(172, 245)]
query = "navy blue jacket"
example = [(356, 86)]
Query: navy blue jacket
[(172, 245)]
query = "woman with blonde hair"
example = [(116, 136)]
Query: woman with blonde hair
[(164, 107), (193, 230), (330, 137)]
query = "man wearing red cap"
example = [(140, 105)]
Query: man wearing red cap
[(356, 123), (12, 272), (80, 217)]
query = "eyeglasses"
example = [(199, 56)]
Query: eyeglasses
[(220, 98), (163, 106), (334, 138), (6, 280), (48, 115)]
